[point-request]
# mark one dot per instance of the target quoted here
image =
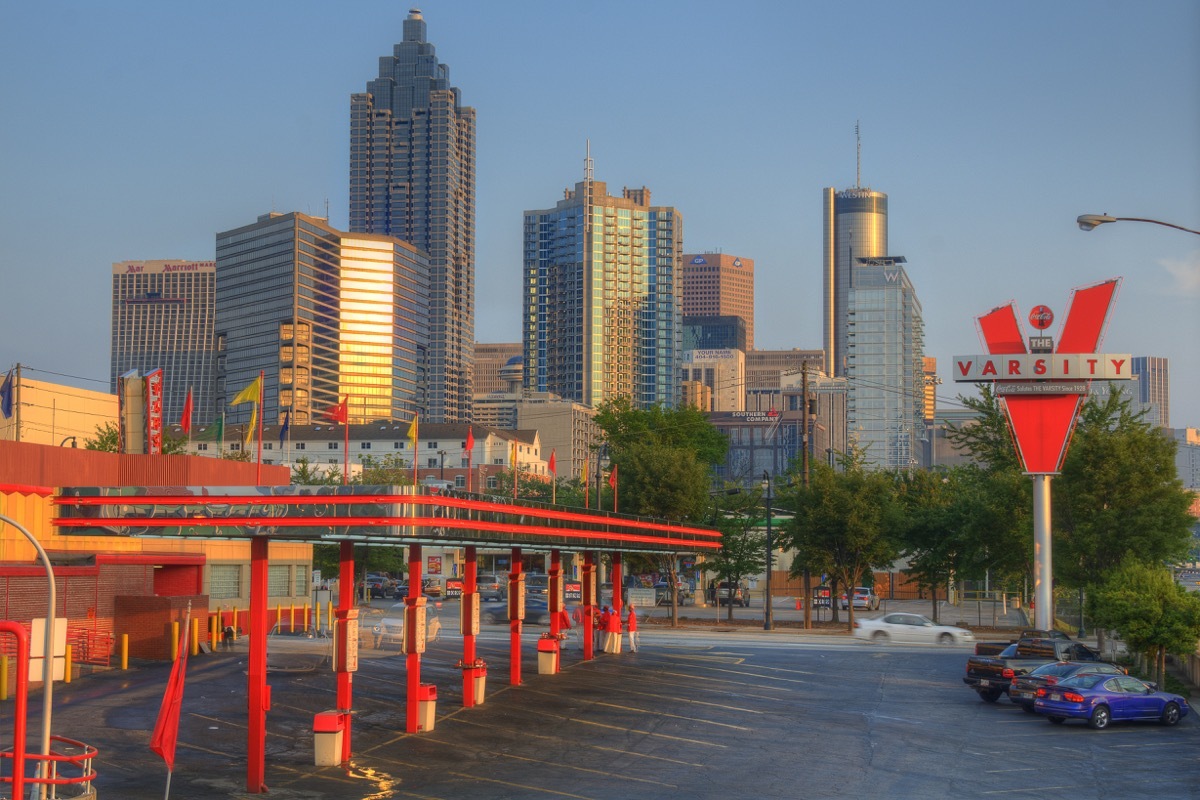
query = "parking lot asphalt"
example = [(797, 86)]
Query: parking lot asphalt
[(695, 713)]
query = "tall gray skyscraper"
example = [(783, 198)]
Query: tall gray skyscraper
[(412, 176), (1153, 388), (162, 316), (855, 227)]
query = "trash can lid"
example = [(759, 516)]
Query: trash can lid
[(329, 722)]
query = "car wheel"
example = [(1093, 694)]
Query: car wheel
[(879, 637), (1057, 720), (991, 695), (1100, 718), (946, 638), (1028, 709), (1170, 714)]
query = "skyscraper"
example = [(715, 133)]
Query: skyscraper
[(162, 316), (855, 227), (1153, 389), (719, 284), (412, 176), (601, 308), (325, 315), (884, 363)]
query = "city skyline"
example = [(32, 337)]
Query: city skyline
[(990, 130)]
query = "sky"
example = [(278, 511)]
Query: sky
[(138, 130)]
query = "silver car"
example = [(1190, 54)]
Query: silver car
[(909, 629)]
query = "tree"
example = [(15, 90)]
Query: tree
[(845, 520), (1118, 497), (741, 520), (987, 437), (305, 474), (1153, 613), (686, 428), (108, 437)]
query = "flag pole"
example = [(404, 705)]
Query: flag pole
[(261, 390), (346, 456)]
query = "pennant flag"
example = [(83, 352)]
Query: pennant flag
[(553, 464), (287, 423), (612, 478), (185, 422), (251, 394), (253, 424), (583, 473), (470, 439), (166, 729), (6, 396), (412, 435), (338, 413), (214, 432)]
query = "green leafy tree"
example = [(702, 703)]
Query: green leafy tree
[(987, 437), (304, 473), (741, 520), (845, 520), (1153, 613), (685, 428), (387, 470), (108, 437)]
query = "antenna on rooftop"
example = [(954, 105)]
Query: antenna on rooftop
[(858, 170)]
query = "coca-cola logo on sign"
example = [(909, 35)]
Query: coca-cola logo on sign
[(1041, 317)]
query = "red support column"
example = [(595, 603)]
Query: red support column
[(345, 680), (470, 597), (514, 624), (618, 583), (413, 659), (589, 604), (257, 691), (555, 600)]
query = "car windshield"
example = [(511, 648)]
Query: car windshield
[(1008, 652), (1054, 669), (1083, 681)]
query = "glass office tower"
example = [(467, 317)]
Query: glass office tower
[(162, 316), (326, 315), (602, 297), (855, 226), (412, 176), (884, 364)]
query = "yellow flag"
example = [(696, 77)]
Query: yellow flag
[(412, 431), (253, 424), (250, 394), (583, 478)]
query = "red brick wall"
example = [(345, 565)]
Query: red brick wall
[(185, 579), (148, 620)]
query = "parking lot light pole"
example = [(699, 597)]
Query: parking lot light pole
[(768, 615)]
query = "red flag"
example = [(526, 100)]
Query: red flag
[(470, 439), (612, 478), (166, 729), (339, 413), (553, 464), (186, 421)]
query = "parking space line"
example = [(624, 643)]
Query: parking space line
[(558, 739), (1036, 790), (672, 716), (626, 730), (678, 699), (1014, 769)]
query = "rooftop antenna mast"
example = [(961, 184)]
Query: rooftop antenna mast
[(587, 190), (858, 145)]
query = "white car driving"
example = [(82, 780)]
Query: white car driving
[(909, 628)]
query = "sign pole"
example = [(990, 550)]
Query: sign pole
[(1043, 580)]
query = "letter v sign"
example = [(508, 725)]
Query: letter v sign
[(1042, 424)]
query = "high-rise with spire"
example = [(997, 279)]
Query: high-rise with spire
[(412, 176), (602, 311)]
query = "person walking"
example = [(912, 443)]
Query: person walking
[(612, 643), (564, 627), (631, 626)]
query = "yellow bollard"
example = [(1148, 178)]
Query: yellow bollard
[(292, 618), (124, 651), (279, 617), (307, 611), (67, 666), (3, 677), (329, 615), (195, 636), (212, 632), (235, 628), (175, 640)]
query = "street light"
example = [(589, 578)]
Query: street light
[(1088, 222), (768, 616), (71, 439)]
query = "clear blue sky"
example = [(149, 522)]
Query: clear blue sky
[(139, 130)]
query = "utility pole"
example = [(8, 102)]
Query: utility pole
[(804, 467)]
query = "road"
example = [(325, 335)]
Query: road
[(701, 714)]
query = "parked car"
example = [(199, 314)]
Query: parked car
[(1101, 699), (864, 598), (991, 676), (537, 583), (537, 612), (662, 593), (491, 587), (907, 628), (380, 584), (996, 648), (724, 593), (1023, 690)]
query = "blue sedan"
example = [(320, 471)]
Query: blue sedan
[(1101, 699)]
